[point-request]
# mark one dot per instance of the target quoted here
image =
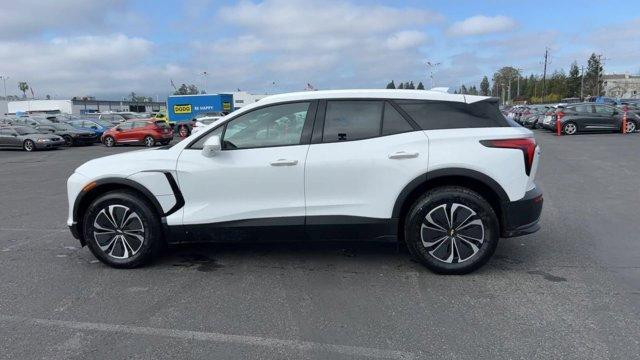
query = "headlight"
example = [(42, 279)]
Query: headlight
[(42, 140)]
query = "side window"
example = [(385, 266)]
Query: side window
[(200, 143), (604, 110), (393, 122), (352, 120), (275, 125), (6, 132), (581, 108), (126, 126), (140, 124), (435, 115)]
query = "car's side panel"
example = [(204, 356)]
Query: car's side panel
[(461, 148)]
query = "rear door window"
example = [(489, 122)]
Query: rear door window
[(604, 110), (352, 120), (393, 122), (435, 115)]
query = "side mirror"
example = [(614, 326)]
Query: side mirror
[(118, 129), (212, 146)]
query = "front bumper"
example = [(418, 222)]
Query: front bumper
[(49, 144), (521, 217)]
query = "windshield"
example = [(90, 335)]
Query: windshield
[(23, 130), (131, 116), (103, 123)]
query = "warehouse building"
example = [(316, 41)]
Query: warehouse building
[(79, 106), (621, 86)]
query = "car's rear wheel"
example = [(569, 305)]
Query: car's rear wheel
[(149, 141), (109, 141), (122, 230), (570, 128), (29, 145), (451, 230), (68, 141)]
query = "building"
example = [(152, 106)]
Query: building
[(79, 106), (621, 86), (242, 98), (4, 107)]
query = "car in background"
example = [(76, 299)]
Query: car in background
[(98, 127), (535, 115), (27, 138), (586, 117), (148, 132), (71, 135), (200, 124), (115, 118), (29, 121)]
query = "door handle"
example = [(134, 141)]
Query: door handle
[(403, 155), (284, 162)]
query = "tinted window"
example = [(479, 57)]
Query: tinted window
[(352, 120), (433, 115), (6, 132), (581, 108), (276, 125), (139, 124), (606, 110), (393, 122), (126, 126)]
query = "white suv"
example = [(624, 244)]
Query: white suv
[(446, 174)]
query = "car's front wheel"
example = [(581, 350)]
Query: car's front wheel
[(28, 145), (122, 230), (109, 141), (570, 128), (451, 230), (68, 141)]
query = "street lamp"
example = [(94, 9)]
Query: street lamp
[(431, 66), (204, 74), (4, 83)]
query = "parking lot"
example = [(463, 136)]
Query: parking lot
[(570, 291)]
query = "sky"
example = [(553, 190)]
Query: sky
[(109, 48)]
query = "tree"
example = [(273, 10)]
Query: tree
[(401, 86), (501, 80), (473, 90), (23, 86), (185, 89), (420, 86), (463, 90), (573, 81), (391, 85), (411, 86), (593, 76), (484, 86), (48, 97), (133, 96)]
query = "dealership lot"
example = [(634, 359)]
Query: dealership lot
[(572, 290)]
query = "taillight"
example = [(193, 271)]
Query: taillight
[(527, 145)]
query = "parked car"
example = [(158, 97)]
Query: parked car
[(29, 121), (585, 117), (29, 139), (147, 132), (446, 174), (115, 118), (534, 115), (71, 135), (98, 127), (201, 122)]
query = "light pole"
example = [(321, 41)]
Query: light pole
[(431, 66), (204, 74), (4, 84)]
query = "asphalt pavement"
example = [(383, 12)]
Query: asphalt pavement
[(570, 291)]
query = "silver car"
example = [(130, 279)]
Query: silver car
[(27, 138)]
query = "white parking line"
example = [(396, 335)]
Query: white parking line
[(374, 353)]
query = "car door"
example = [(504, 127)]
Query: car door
[(8, 137), (606, 117), (583, 115), (123, 132), (363, 153), (256, 180)]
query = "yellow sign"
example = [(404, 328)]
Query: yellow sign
[(182, 109), (226, 106)]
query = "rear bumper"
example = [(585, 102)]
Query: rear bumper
[(521, 217)]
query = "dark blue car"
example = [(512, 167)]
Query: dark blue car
[(96, 126)]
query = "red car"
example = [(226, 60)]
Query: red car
[(143, 131)]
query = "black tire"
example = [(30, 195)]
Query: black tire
[(29, 145), (452, 254), (149, 141), (122, 247), (570, 128), (632, 126), (109, 141), (68, 141)]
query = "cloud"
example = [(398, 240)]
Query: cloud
[(480, 25), (20, 19), (406, 39)]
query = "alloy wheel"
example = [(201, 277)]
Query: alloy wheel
[(148, 141), (108, 142), (28, 145), (570, 129), (118, 231), (631, 127), (452, 233)]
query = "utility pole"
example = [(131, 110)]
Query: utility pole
[(204, 74), (518, 92), (503, 96), (582, 84), (544, 74), (509, 90)]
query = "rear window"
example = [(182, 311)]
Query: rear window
[(435, 115)]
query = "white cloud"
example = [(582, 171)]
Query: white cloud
[(406, 39), (480, 25)]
